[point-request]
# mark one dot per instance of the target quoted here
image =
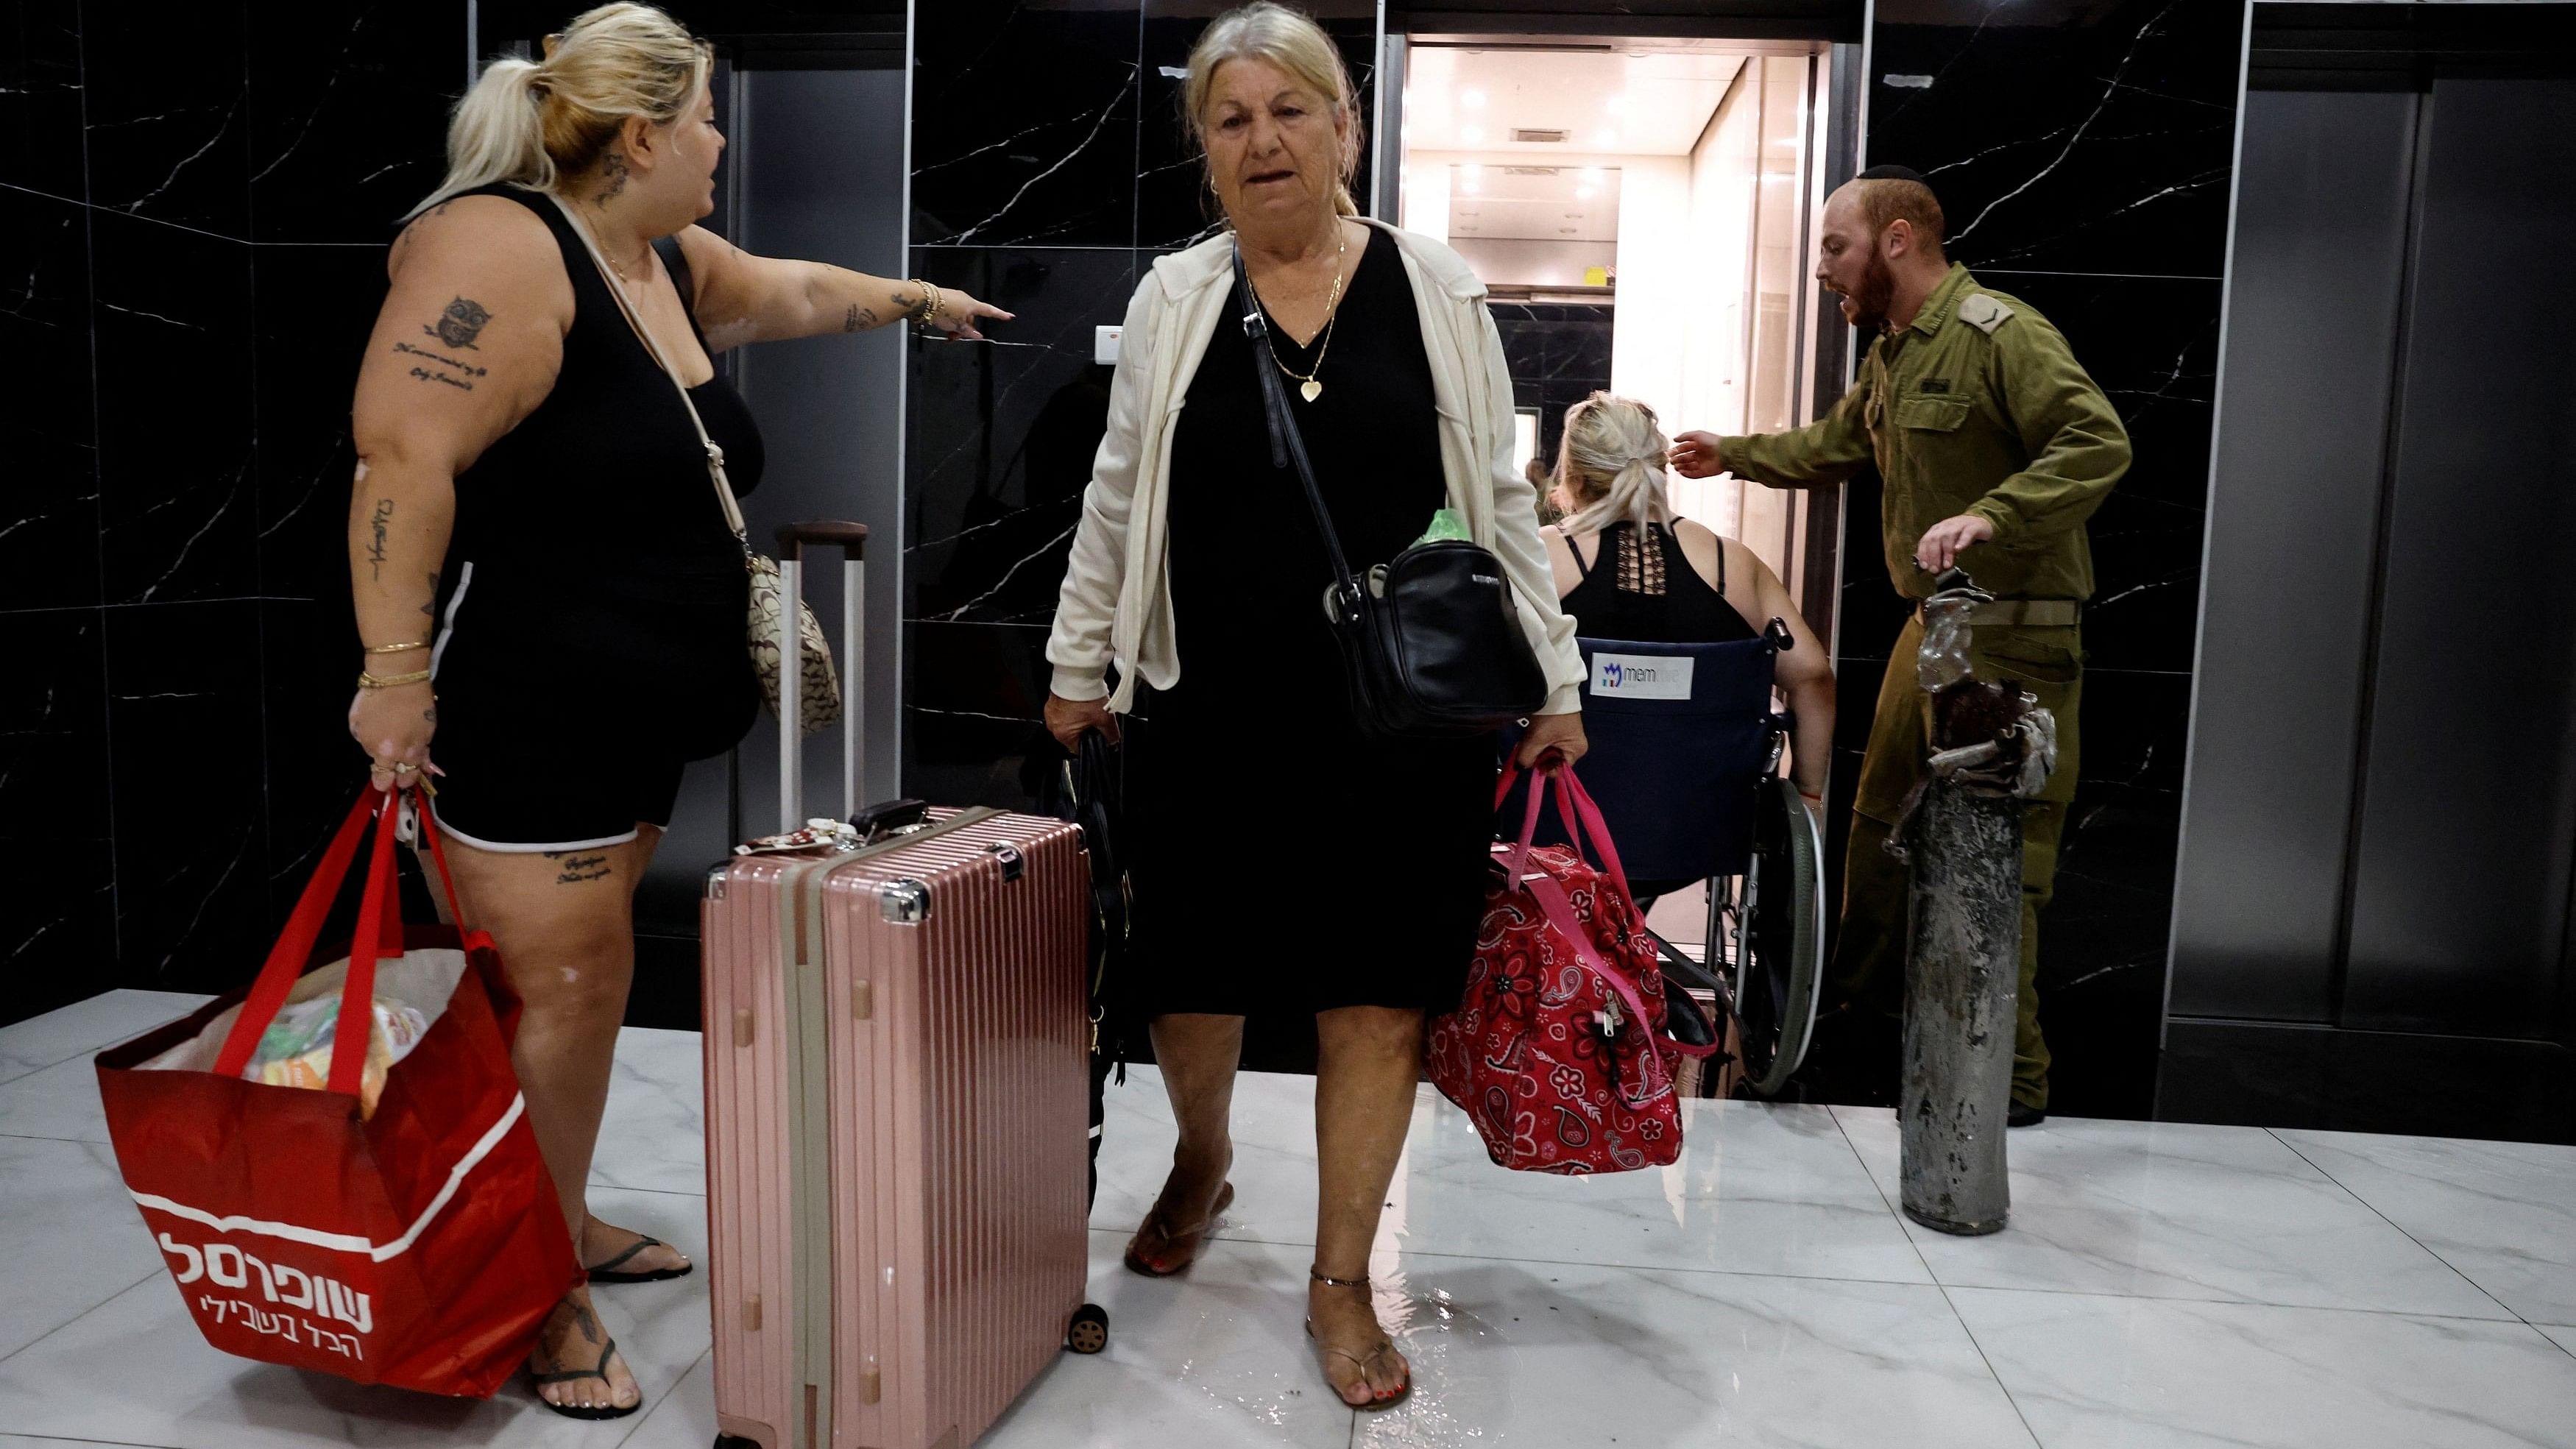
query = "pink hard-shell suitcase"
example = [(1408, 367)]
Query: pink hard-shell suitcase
[(897, 1064)]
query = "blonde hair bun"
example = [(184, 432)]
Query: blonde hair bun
[(1610, 468)]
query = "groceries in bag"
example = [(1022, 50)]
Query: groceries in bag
[(295, 1051)]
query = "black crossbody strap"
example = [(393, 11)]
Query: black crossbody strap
[(1287, 444)]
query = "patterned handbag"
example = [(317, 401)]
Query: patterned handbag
[(1558, 1050), (818, 682)]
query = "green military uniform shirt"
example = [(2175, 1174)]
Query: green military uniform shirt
[(1977, 407)]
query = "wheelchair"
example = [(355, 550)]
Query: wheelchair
[(1684, 761)]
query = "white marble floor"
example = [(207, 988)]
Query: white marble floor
[(2161, 1285)]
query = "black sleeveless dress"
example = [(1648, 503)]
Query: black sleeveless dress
[(1286, 862), (591, 605), (1648, 592)]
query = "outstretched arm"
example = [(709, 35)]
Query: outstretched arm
[(1822, 453), (744, 298)]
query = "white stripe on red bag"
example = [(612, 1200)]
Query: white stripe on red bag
[(347, 1242)]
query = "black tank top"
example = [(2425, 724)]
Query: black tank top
[(592, 551), (1651, 593)]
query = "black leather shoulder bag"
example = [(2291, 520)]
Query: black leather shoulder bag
[(1431, 640)]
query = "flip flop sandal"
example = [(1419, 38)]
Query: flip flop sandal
[(606, 1272), (1137, 1262), (1384, 1345), (577, 1411)]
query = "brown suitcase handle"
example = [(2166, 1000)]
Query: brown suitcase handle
[(850, 538)]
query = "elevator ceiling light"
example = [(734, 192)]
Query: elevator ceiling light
[(1473, 100), (1472, 135)]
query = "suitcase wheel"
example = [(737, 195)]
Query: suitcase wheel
[(1089, 1331)]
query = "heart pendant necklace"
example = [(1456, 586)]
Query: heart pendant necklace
[(1307, 387)]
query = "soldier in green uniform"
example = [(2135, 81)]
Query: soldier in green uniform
[(1995, 447)]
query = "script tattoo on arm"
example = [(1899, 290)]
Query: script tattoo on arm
[(860, 319), (436, 368), (384, 515)]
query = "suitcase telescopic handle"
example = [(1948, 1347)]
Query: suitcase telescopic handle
[(851, 539)]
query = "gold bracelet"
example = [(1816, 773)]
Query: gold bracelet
[(926, 317), (369, 681), (395, 648)]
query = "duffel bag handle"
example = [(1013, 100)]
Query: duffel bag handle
[(1574, 806)]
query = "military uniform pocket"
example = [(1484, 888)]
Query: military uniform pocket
[(1932, 414)]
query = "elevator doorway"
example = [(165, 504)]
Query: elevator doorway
[(1642, 211)]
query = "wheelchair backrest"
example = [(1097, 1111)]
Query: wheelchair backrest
[(1679, 735)]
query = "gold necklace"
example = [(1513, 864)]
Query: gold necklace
[(1307, 387)]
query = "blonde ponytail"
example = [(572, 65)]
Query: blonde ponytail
[(532, 124), (1610, 468)]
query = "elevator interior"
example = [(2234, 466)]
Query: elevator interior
[(1660, 190), (2371, 924), (1642, 211)]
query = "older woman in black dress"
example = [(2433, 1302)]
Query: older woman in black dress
[(1285, 858)]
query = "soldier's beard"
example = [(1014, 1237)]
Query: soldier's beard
[(1876, 293)]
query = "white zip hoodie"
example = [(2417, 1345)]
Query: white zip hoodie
[(1117, 600)]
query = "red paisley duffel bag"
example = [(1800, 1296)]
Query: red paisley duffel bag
[(1558, 1051)]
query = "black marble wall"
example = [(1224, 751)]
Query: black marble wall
[(1559, 354), (1050, 168), (2082, 154), (194, 206)]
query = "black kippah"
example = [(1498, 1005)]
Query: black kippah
[(1890, 173)]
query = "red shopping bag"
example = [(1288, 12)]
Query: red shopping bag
[(421, 1246), (1558, 1050)]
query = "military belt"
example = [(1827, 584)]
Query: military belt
[(2026, 613)]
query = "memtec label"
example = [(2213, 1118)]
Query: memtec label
[(1642, 676)]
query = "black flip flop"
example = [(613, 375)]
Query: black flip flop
[(605, 1272), (574, 1411)]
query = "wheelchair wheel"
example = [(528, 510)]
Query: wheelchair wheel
[(1779, 970)]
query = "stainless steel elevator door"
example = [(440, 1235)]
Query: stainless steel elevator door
[(2381, 824), (2460, 883), (2317, 272)]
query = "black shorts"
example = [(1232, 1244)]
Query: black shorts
[(534, 756), (520, 791)]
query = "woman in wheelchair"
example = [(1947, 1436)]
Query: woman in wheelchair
[(1629, 568)]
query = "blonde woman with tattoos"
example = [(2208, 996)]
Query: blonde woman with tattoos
[(533, 525)]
